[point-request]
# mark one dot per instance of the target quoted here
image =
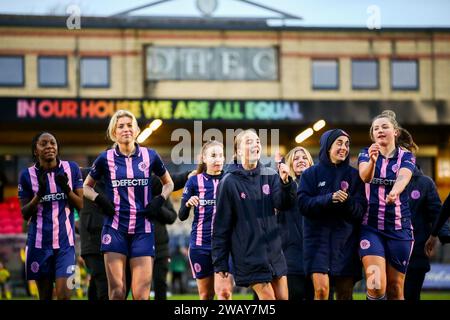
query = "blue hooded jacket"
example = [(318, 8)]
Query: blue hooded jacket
[(246, 224), (331, 230)]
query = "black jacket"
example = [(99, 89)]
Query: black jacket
[(246, 224), (91, 222), (168, 214), (291, 231), (425, 206)]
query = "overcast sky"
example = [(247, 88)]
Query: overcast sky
[(410, 13)]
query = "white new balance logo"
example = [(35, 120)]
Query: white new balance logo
[(321, 184)]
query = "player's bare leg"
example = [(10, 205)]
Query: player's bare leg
[(321, 283), (264, 291), (375, 271), (223, 286), (115, 272), (280, 288), (63, 291), (396, 283), (205, 288), (141, 277)]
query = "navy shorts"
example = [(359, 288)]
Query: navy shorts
[(397, 252), (130, 245), (201, 263), (49, 263)]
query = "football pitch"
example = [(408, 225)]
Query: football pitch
[(442, 295)]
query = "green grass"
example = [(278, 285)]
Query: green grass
[(356, 296)]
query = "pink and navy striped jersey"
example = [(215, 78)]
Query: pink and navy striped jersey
[(387, 218), (127, 184), (53, 225), (205, 187)]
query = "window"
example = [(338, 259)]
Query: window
[(365, 74), (325, 74), (12, 71), (404, 75), (94, 72), (52, 71)]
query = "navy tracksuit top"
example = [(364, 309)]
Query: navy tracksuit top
[(331, 230), (246, 224)]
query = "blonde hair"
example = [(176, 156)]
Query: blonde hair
[(113, 124), (290, 159), (202, 165), (388, 114), (238, 140)]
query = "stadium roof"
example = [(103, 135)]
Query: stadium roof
[(184, 23)]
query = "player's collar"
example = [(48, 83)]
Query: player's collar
[(136, 153)]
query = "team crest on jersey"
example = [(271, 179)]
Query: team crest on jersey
[(344, 185), (197, 267), (415, 194), (266, 189), (106, 239), (243, 195), (395, 168), (364, 244), (35, 267), (143, 166)]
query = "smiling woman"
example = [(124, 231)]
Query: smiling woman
[(386, 235), (49, 192), (129, 205), (246, 201), (331, 199)]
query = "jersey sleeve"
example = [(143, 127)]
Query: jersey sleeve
[(77, 180), (98, 168), (363, 156), (188, 192), (408, 161), (157, 164), (25, 190)]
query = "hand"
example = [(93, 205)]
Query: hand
[(153, 209), (193, 201), (42, 183), (283, 171), (222, 274), (374, 151), (429, 246), (278, 158), (339, 196), (391, 197), (63, 182), (105, 204)]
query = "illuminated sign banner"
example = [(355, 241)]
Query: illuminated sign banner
[(79, 111), (99, 109)]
